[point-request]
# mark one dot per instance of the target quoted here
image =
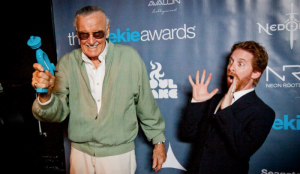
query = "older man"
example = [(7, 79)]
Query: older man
[(104, 89), (228, 129)]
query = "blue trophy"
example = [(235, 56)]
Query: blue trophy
[(35, 42)]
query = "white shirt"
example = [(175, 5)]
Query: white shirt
[(239, 94), (96, 75)]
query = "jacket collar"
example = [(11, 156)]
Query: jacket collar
[(245, 101)]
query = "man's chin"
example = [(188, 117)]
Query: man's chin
[(92, 54)]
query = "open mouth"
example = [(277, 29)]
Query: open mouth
[(231, 78)]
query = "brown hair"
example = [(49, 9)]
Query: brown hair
[(260, 55)]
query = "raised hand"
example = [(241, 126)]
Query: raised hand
[(200, 92), (227, 100), (41, 79)]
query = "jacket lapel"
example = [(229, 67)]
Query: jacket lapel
[(108, 64), (245, 101), (83, 69)]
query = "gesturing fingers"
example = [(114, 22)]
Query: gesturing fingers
[(197, 77), (232, 87), (202, 79), (203, 76), (191, 81)]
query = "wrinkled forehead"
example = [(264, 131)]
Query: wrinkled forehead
[(91, 22), (240, 54)]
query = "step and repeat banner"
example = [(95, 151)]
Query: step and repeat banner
[(175, 38)]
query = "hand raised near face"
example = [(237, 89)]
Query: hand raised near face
[(200, 92), (227, 100)]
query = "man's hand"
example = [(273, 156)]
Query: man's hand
[(200, 92), (41, 79), (227, 100), (159, 156)]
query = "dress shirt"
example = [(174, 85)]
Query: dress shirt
[(96, 75), (239, 94)]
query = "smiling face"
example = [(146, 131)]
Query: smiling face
[(95, 22), (240, 67)]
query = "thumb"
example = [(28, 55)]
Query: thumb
[(38, 67), (49, 74), (214, 92), (154, 163)]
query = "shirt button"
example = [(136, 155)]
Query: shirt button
[(98, 100), (97, 83)]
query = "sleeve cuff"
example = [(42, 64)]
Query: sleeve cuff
[(159, 138), (194, 101), (46, 103)]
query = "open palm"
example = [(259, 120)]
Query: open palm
[(200, 92)]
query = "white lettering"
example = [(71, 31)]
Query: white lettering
[(184, 32), (173, 93), (265, 29), (292, 66), (281, 27), (168, 34), (274, 85), (269, 69), (190, 32)]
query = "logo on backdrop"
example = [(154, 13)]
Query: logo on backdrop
[(164, 3), (183, 32), (171, 161), (290, 71), (287, 123), (291, 25), (161, 88)]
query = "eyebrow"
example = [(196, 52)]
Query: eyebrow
[(239, 58)]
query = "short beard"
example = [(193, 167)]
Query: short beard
[(242, 83)]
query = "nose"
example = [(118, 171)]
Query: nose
[(231, 67), (91, 40)]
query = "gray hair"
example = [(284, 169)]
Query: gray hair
[(87, 10)]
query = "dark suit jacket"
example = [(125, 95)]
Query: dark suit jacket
[(226, 140)]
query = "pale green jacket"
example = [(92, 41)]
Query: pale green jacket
[(126, 99)]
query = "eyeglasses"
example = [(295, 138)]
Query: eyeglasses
[(84, 36)]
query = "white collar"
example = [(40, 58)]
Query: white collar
[(239, 94)]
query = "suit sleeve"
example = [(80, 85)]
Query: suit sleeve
[(193, 117), (245, 138)]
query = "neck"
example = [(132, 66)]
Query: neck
[(96, 62)]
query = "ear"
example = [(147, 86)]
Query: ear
[(107, 30), (255, 75)]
